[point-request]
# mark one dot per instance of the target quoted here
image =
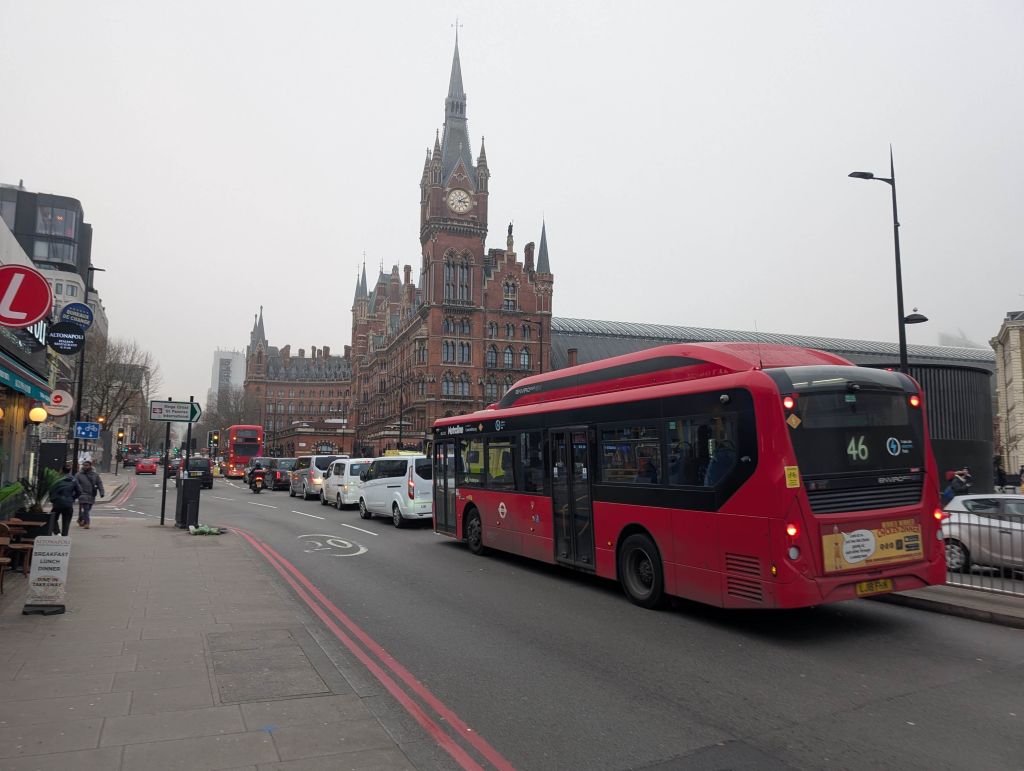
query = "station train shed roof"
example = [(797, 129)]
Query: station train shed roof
[(602, 339)]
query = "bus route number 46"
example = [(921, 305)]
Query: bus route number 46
[(856, 449)]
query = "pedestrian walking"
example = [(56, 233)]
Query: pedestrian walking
[(91, 487), (62, 499)]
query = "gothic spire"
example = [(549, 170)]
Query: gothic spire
[(543, 266), (455, 144)]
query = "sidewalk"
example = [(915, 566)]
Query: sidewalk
[(993, 608), (176, 651)]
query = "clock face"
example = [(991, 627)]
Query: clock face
[(459, 202)]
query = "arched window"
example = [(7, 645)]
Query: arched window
[(449, 279), (524, 359), (463, 276), (465, 327), (446, 385), (510, 299), (492, 330), (527, 332), (507, 385), (510, 331), (509, 358), (491, 389), (464, 353), (448, 352), (463, 385), (492, 357)]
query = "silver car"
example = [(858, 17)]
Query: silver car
[(985, 530), (307, 475)]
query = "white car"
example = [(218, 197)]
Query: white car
[(341, 482), (399, 487), (985, 530)]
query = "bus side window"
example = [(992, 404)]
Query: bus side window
[(500, 469), (631, 454), (470, 463), (531, 462), (701, 449)]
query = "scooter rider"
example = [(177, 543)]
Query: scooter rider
[(256, 477)]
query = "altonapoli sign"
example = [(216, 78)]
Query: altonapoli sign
[(65, 337)]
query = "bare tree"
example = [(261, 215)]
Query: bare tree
[(120, 377), (231, 407)]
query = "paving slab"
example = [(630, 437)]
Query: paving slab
[(307, 741), (105, 759), (56, 665), (157, 679), (278, 684), (55, 711), (183, 724), (45, 738), (367, 760), (211, 752), (289, 712), (62, 685), (171, 699)]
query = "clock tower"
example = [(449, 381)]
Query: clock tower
[(453, 206)]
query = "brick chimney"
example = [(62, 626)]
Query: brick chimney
[(572, 357), (408, 274), (325, 351), (348, 351), (286, 354), (528, 258), (302, 353)]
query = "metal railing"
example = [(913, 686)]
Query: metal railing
[(985, 548)]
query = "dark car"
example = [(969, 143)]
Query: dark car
[(199, 468), (264, 463), (279, 473), (171, 469)]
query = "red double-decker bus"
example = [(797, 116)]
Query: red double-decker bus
[(240, 445), (733, 474)]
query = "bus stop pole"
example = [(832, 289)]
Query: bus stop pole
[(167, 451)]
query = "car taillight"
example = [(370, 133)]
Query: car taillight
[(412, 485), (277, 475), (915, 400)]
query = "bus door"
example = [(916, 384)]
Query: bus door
[(444, 487), (570, 497)]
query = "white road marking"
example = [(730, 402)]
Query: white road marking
[(314, 516), (264, 505), (219, 498), (368, 532)]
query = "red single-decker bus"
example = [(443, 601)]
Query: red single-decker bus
[(734, 474), (241, 444)]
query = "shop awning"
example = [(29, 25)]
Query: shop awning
[(18, 378)]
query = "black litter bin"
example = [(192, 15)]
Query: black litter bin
[(186, 511)]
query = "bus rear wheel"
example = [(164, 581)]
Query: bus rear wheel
[(474, 532), (640, 571)]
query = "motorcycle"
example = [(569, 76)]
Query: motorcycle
[(257, 481)]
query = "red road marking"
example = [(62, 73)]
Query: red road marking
[(124, 496), (292, 575)]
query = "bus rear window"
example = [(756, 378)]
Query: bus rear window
[(246, 449)]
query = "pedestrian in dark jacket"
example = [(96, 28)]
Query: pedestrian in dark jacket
[(92, 486), (62, 499)]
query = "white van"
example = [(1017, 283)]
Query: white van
[(397, 487), (341, 482)]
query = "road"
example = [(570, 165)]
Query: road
[(558, 671)]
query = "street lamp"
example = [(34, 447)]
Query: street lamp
[(914, 318)]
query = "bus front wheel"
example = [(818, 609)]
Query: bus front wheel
[(640, 571), (474, 532)]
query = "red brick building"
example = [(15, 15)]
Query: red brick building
[(475, 321), (299, 400)]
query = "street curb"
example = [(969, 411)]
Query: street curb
[(952, 609)]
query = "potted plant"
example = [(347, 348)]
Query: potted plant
[(38, 489)]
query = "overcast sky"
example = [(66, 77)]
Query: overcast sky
[(691, 159)]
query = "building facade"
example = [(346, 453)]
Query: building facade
[(476, 319), (228, 372), (284, 392), (1009, 351)]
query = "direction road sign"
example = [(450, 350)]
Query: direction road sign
[(25, 296), (84, 430), (175, 412)]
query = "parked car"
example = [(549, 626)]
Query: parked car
[(308, 475), (985, 530), (264, 462), (198, 468), (341, 483), (397, 487), (279, 473), (145, 466)]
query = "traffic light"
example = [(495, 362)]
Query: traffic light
[(120, 435)]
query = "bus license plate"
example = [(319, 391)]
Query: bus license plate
[(865, 588)]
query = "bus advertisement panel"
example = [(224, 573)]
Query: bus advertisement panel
[(240, 445), (728, 473)]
